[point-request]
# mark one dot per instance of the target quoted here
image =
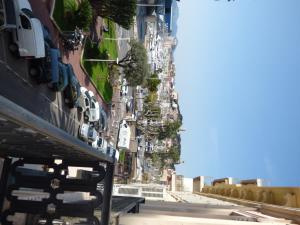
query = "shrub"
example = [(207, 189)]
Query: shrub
[(80, 15)]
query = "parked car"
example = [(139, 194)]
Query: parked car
[(72, 91), (50, 70), (124, 136), (129, 104), (101, 125), (84, 100), (26, 29), (124, 90), (48, 37), (93, 113), (111, 150), (87, 133), (60, 82), (100, 143), (149, 147)]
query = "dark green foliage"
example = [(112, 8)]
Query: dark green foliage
[(83, 14), (121, 12), (134, 64), (78, 15), (170, 130), (153, 82), (174, 154), (92, 51)]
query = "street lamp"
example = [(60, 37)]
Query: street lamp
[(102, 60), (149, 5)]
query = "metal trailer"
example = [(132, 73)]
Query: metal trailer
[(26, 139)]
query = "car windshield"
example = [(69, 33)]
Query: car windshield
[(100, 142), (28, 13), (86, 102), (90, 132)]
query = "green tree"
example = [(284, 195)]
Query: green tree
[(83, 14), (153, 82), (152, 111), (121, 12), (134, 64), (79, 15), (174, 154), (170, 130)]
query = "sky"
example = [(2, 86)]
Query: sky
[(238, 78)]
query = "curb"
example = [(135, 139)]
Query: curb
[(51, 17)]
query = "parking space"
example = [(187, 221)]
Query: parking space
[(18, 86)]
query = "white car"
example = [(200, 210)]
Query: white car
[(100, 143), (27, 32), (84, 100), (101, 125), (124, 89), (111, 150), (124, 136), (93, 113), (88, 133)]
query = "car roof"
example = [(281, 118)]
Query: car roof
[(54, 53)]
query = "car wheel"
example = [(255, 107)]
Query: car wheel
[(33, 71), (13, 48)]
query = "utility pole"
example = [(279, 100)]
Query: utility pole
[(149, 5)]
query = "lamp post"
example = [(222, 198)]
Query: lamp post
[(149, 5), (102, 60)]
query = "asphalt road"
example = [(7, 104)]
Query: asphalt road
[(17, 85)]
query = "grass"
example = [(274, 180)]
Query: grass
[(99, 71), (59, 14), (122, 157)]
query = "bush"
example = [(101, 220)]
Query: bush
[(92, 51), (80, 15), (84, 15)]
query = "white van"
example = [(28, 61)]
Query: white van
[(27, 32), (124, 136)]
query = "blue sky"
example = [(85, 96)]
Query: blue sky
[(238, 76)]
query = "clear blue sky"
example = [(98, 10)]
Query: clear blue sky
[(238, 76)]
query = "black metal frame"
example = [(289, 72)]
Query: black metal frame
[(27, 139)]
